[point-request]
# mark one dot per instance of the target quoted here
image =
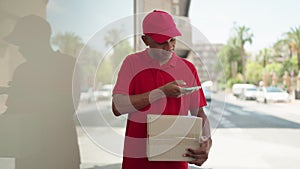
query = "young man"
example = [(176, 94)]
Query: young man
[(150, 82)]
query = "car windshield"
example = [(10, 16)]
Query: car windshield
[(251, 89), (104, 89), (206, 90), (273, 89)]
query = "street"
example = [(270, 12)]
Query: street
[(246, 134)]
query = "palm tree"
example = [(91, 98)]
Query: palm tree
[(265, 54), (282, 48), (243, 36), (68, 43), (112, 37), (121, 47), (293, 37), (230, 55)]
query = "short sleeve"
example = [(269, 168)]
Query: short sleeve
[(125, 76)]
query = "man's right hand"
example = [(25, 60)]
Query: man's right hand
[(172, 89)]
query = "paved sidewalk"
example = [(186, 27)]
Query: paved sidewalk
[(94, 157), (233, 148), (288, 111)]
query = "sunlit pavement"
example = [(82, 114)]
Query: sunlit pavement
[(289, 111), (235, 146)]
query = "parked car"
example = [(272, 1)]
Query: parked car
[(86, 95), (104, 93), (249, 93), (237, 89), (271, 94), (207, 93)]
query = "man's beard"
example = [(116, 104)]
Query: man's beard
[(160, 54)]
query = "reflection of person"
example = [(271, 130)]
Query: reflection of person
[(150, 82), (38, 124), (3, 90)]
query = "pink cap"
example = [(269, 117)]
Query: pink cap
[(160, 26)]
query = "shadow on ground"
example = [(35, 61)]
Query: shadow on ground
[(110, 166), (118, 166)]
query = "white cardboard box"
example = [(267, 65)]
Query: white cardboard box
[(170, 135)]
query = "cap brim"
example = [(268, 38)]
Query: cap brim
[(159, 38), (163, 37)]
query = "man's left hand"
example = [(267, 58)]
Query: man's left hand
[(200, 155)]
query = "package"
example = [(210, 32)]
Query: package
[(170, 135)]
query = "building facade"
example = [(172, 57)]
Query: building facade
[(178, 8)]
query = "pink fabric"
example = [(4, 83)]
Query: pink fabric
[(162, 23), (158, 38)]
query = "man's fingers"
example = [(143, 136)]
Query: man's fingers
[(198, 162), (173, 89), (179, 82), (199, 158), (197, 151)]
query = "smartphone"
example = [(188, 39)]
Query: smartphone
[(191, 89)]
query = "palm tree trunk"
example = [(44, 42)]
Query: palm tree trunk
[(298, 55), (243, 63)]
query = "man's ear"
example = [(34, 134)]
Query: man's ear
[(145, 40)]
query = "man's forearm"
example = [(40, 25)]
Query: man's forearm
[(123, 104), (205, 122)]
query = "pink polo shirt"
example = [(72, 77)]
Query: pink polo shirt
[(139, 74)]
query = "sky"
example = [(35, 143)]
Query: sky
[(267, 19), (86, 17), (215, 19)]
